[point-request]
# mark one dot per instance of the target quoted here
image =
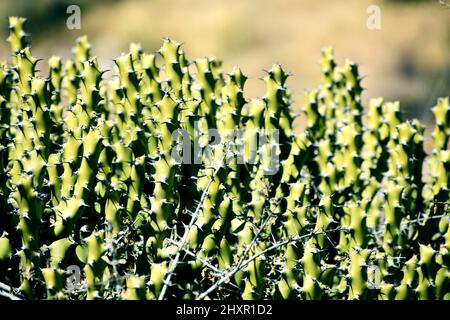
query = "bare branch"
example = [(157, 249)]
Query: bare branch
[(186, 232)]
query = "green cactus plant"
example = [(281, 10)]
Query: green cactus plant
[(350, 208)]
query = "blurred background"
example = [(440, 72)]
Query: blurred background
[(407, 60)]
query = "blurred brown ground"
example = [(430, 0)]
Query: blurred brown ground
[(407, 60)]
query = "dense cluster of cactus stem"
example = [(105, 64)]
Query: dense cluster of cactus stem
[(356, 209)]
